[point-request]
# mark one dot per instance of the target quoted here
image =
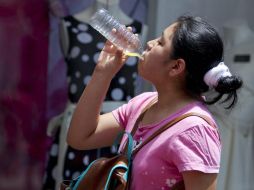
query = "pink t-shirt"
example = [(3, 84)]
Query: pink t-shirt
[(191, 144)]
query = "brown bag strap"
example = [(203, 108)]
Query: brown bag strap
[(171, 123), (140, 117)]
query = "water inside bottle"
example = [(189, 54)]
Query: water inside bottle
[(133, 54), (104, 23)]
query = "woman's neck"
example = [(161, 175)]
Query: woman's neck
[(173, 99), (167, 104)]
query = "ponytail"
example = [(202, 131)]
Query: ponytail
[(222, 81)]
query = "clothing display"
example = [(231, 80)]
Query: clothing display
[(56, 76), (84, 46), (183, 147), (237, 125)]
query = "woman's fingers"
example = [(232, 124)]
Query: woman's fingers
[(114, 30), (111, 48), (129, 29)]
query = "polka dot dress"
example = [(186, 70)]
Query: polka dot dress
[(85, 45), (49, 179)]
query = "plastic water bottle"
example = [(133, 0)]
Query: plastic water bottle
[(104, 23)]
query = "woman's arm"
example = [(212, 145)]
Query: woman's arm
[(88, 128), (199, 180)]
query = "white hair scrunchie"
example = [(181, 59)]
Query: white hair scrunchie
[(212, 76)]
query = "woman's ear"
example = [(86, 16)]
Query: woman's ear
[(176, 67)]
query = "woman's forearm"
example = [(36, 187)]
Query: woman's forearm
[(84, 124), (86, 114)]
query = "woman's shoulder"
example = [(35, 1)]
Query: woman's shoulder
[(136, 104), (199, 118), (199, 114), (131, 110), (196, 143), (143, 98), (200, 125)]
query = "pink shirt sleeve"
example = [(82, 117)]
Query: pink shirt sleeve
[(197, 148), (120, 115), (128, 113)]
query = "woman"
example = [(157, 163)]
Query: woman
[(183, 63)]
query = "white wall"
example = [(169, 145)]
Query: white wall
[(218, 12)]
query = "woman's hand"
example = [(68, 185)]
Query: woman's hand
[(87, 125), (111, 58)]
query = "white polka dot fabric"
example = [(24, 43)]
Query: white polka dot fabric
[(85, 45)]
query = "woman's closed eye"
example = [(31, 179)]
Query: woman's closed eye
[(160, 41)]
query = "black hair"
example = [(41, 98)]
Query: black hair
[(200, 46)]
